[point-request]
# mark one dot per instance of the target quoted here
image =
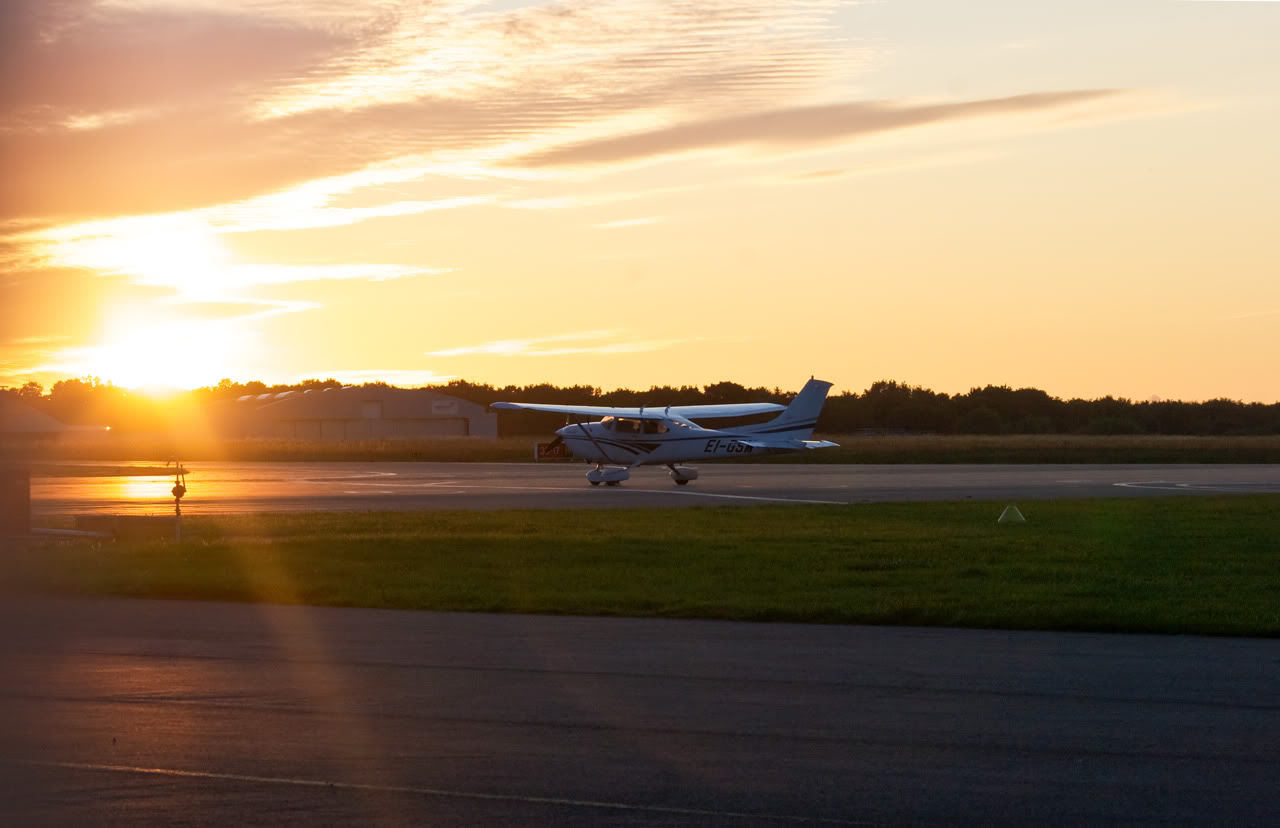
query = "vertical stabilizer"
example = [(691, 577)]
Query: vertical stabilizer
[(798, 420)]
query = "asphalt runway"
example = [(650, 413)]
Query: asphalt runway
[(122, 712), (274, 487)]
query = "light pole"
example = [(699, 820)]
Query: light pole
[(179, 489)]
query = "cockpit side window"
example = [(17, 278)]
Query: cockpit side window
[(623, 426), (655, 427), (607, 422)]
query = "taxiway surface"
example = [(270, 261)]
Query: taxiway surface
[(120, 712), (273, 487)]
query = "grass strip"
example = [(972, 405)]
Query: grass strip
[(1170, 565)]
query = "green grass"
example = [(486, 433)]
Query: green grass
[(942, 448), (1176, 564)]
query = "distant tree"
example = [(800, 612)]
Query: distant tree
[(980, 421), (31, 391), (725, 392), (319, 384), (1036, 424), (1111, 424)]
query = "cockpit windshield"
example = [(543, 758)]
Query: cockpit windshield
[(627, 425)]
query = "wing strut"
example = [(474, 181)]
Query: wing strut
[(604, 458)]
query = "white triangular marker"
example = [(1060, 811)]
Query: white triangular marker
[(1011, 515)]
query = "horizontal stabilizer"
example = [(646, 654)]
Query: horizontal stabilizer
[(788, 445)]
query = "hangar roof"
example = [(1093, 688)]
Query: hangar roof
[(345, 403), (17, 417)]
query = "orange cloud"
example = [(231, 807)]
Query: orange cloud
[(149, 107), (800, 126)]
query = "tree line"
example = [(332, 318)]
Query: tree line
[(886, 406)]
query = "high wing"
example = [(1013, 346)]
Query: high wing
[(705, 412), (656, 412)]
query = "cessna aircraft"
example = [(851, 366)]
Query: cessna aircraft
[(630, 437)]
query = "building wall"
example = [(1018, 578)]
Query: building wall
[(359, 414)]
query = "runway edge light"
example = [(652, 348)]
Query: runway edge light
[(1011, 515)]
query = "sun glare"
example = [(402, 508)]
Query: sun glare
[(161, 357), (181, 252)]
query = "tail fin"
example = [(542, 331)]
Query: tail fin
[(800, 417)]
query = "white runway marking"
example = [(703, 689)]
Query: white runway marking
[(1171, 486), (438, 792), (429, 484), (687, 493), (351, 478)]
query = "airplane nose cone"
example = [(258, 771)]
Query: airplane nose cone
[(563, 431)]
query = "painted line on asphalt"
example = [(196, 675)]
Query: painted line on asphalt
[(436, 792), (687, 493), (1171, 486), (424, 487)]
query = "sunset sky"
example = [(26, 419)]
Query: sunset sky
[(1080, 196)]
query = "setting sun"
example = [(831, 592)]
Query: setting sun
[(160, 355)]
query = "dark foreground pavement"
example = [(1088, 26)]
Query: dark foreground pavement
[(138, 712)]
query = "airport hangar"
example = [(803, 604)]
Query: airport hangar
[(23, 423), (353, 413)]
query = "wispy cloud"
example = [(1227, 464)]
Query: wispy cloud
[(1252, 315), (578, 51), (185, 250), (631, 222), (193, 104), (185, 254), (537, 346), (578, 200), (34, 340), (928, 161), (545, 203), (801, 126)]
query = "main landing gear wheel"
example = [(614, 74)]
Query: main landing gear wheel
[(608, 475), (681, 475)]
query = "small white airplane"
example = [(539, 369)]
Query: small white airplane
[(628, 437)]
